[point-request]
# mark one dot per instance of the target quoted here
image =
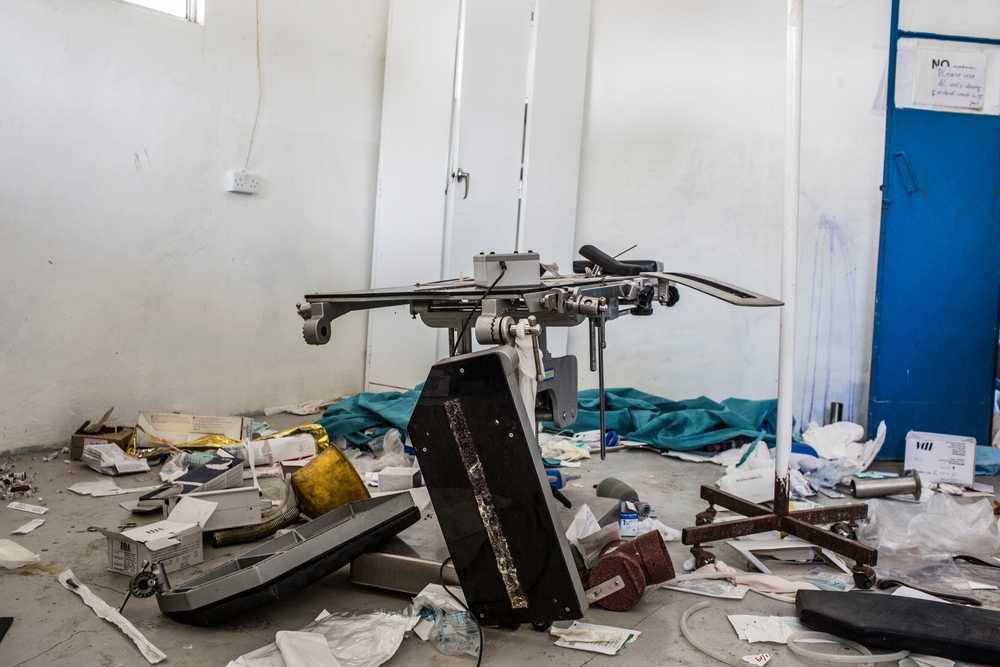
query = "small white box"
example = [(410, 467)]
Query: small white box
[(176, 545), (235, 507), (950, 459), (398, 479), (628, 520)]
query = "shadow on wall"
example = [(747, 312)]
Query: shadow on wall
[(831, 353)]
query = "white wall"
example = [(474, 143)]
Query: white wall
[(683, 149), (130, 277)]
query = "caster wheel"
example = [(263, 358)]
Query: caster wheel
[(511, 626), (864, 578), (702, 557), (541, 627), (844, 530), (706, 517)]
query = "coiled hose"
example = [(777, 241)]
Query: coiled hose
[(222, 538)]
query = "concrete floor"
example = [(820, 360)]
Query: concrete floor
[(53, 627)]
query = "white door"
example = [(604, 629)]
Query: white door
[(490, 105), (413, 175), (459, 75)]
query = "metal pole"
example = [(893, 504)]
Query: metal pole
[(789, 254), (600, 377)]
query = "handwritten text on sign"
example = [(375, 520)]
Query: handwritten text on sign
[(950, 78)]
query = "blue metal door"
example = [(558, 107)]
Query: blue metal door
[(935, 339)]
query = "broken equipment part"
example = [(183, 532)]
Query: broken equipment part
[(281, 566)]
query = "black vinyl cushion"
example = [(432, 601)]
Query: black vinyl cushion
[(896, 623)]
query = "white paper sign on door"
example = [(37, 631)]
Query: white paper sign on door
[(950, 78)]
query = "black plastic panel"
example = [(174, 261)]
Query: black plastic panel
[(485, 479)]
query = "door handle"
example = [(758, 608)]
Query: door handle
[(460, 176), (906, 173)]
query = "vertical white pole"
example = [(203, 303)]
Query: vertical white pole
[(789, 253)]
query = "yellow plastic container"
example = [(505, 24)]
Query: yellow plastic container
[(327, 482)]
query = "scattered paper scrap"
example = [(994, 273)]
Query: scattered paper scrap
[(595, 638), (25, 507), (108, 613), (759, 659), (97, 486), (776, 629), (28, 527)]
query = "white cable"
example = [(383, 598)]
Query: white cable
[(260, 85), (712, 653), (865, 658)]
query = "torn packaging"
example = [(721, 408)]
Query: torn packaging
[(486, 480)]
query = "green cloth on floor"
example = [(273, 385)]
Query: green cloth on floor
[(676, 425), (352, 418), (634, 415)]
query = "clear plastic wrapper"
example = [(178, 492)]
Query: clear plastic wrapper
[(940, 526), (385, 451), (928, 573), (444, 623), (829, 475)]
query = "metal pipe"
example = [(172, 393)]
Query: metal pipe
[(600, 378), (909, 483), (789, 254)]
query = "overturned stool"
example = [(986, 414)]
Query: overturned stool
[(640, 563)]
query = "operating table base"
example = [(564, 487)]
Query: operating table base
[(801, 524)]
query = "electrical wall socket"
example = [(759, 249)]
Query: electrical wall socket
[(241, 181)]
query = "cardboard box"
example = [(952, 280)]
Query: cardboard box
[(176, 545), (235, 507), (628, 521), (937, 457), (117, 435), (178, 429)]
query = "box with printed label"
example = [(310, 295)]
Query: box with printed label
[(628, 520), (949, 459), (116, 435), (175, 545)]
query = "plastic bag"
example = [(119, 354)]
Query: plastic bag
[(385, 451), (445, 623), (364, 640), (942, 526), (830, 475), (931, 573)]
